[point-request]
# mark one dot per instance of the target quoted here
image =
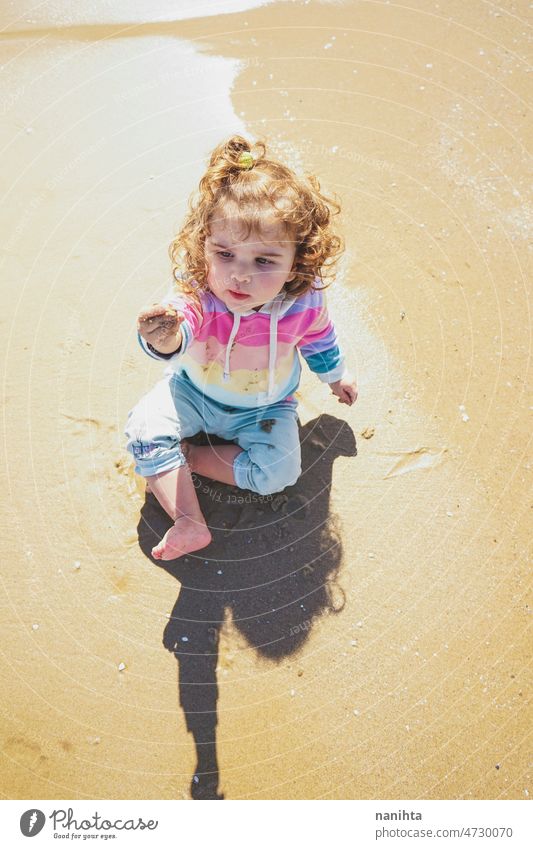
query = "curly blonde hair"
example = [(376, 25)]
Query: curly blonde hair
[(242, 182)]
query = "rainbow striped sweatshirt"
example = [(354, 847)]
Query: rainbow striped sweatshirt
[(250, 358)]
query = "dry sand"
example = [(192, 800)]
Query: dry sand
[(367, 634)]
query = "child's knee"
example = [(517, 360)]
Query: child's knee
[(153, 441), (147, 418), (265, 475), (139, 426)]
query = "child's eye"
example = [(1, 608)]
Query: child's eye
[(264, 261), (224, 254)]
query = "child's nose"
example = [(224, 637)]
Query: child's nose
[(241, 276)]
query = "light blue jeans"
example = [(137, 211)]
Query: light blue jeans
[(175, 409)]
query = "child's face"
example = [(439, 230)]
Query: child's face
[(248, 272)]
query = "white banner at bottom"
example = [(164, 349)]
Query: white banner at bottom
[(266, 824)]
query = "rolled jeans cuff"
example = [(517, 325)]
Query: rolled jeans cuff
[(157, 460)]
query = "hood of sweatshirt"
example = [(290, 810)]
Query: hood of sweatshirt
[(277, 307)]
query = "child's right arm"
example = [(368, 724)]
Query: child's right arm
[(159, 326)]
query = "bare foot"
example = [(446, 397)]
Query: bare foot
[(188, 533)]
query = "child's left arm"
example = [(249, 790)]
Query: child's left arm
[(320, 349)]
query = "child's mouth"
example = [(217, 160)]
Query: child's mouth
[(240, 296)]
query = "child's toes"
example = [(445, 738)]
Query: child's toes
[(165, 550)]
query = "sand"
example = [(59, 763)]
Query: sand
[(364, 635)]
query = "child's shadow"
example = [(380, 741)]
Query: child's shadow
[(272, 565)]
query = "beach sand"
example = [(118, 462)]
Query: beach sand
[(364, 635)]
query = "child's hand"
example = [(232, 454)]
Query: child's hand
[(345, 390), (160, 326)]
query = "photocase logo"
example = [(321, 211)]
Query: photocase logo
[(31, 822)]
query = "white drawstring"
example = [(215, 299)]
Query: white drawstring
[(234, 329), (273, 348), (273, 339)]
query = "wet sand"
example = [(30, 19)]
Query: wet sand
[(366, 637)]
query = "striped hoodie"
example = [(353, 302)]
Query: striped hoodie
[(250, 358)]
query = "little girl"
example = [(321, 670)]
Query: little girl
[(249, 264)]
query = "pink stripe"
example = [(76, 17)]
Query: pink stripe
[(256, 332)]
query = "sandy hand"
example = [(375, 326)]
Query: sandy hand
[(160, 326)]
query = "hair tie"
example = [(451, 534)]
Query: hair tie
[(245, 160)]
